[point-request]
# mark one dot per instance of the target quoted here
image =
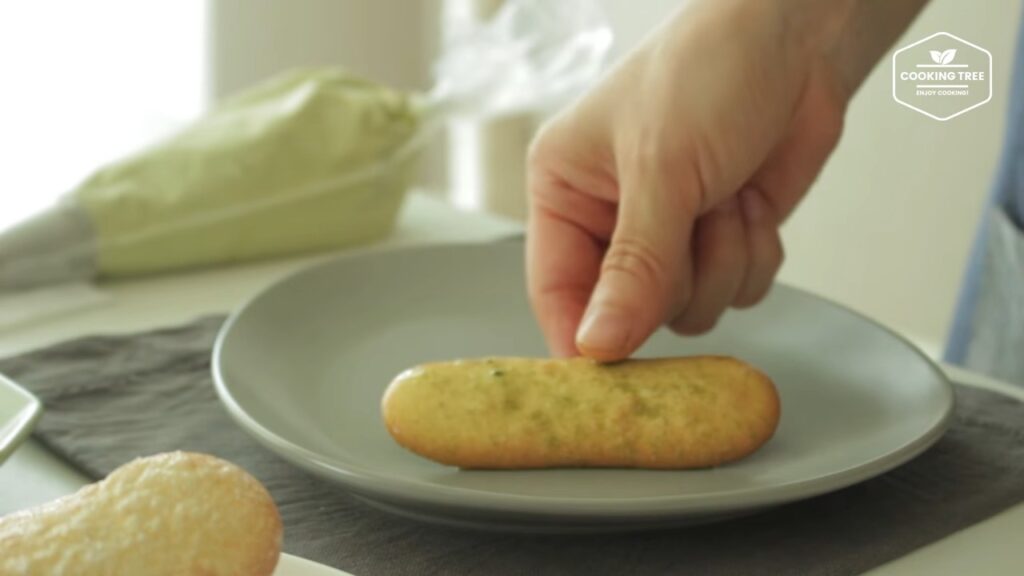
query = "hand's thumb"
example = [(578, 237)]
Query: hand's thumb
[(646, 271)]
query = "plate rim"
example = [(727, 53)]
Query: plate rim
[(291, 565), (375, 485)]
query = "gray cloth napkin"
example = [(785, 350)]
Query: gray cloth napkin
[(111, 399)]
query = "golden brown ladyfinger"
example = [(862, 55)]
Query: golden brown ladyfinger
[(541, 413), (171, 514)]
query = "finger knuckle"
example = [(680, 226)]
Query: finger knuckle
[(772, 255), (778, 258), (651, 155), (636, 257), (544, 148), (720, 255), (831, 131), (678, 165), (538, 151)]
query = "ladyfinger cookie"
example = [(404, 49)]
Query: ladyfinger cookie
[(174, 514), (507, 413)]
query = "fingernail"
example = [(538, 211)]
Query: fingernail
[(754, 209), (603, 333)]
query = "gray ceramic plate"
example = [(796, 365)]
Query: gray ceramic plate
[(302, 367)]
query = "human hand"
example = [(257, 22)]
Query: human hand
[(657, 198)]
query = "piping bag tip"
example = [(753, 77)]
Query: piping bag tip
[(55, 246)]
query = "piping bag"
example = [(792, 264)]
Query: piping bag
[(310, 160)]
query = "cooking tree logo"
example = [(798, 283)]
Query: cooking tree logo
[(942, 76), (943, 58)]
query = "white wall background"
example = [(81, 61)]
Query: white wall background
[(86, 82), (390, 41)]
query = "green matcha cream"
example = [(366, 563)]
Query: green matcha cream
[(312, 160), (308, 161)]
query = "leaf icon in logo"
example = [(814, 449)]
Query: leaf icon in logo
[(948, 55), (936, 56)]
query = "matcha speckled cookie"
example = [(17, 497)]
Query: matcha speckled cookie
[(669, 413)]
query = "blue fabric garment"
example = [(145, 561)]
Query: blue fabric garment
[(982, 337)]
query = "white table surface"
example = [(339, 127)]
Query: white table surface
[(32, 476)]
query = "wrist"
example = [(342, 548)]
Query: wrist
[(817, 34), (865, 33)]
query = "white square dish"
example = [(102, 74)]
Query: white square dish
[(19, 411)]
